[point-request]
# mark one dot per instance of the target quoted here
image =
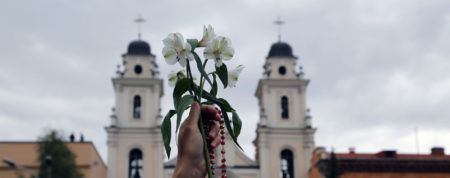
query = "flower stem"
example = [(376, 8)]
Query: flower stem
[(202, 128)]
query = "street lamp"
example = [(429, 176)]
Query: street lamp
[(20, 168)]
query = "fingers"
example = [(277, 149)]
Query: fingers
[(194, 114), (210, 113), (214, 131), (216, 140)]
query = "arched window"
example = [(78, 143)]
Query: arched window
[(284, 107), (135, 164), (137, 107), (287, 164)]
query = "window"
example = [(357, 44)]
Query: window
[(138, 69), (282, 70), (137, 107), (135, 164), (284, 107), (287, 164)]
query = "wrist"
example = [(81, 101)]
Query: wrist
[(185, 169)]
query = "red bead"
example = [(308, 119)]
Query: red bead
[(220, 112), (224, 176), (213, 173), (223, 166), (221, 121), (212, 162), (221, 116), (224, 160), (211, 151), (221, 127), (224, 171), (222, 132), (223, 143), (222, 137), (211, 157), (223, 151)]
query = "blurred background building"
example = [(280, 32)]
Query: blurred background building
[(25, 155)]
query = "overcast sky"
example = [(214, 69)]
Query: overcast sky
[(378, 69)]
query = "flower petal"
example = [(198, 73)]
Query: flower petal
[(218, 62), (227, 53), (170, 55), (182, 62)]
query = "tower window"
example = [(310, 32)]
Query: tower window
[(135, 164), (287, 164), (137, 107), (284, 107), (282, 70), (138, 69)]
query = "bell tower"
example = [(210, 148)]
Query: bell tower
[(285, 138), (135, 147)]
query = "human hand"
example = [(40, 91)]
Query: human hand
[(190, 160)]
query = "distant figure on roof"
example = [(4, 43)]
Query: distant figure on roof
[(81, 137), (71, 137)]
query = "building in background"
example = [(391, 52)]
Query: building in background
[(25, 154), (285, 138), (384, 164)]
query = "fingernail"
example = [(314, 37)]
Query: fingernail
[(213, 144)]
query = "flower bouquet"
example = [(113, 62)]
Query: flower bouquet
[(186, 90)]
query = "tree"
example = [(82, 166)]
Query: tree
[(333, 171), (62, 159)]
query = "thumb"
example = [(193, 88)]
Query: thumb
[(194, 114)]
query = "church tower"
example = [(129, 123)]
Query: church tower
[(135, 148), (285, 138)]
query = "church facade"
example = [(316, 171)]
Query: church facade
[(284, 141)]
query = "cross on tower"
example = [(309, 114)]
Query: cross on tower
[(139, 21), (279, 22)]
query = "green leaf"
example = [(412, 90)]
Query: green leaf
[(237, 124), (166, 131), (185, 102), (201, 69), (214, 86), (193, 43), (180, 88), (223, 74), (226, 105), (230, 130)]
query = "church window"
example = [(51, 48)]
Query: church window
[(138, 69), (135, 164), (284, 107), (282, 70), (287, 164), (137, 107)]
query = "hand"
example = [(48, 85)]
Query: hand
[(190, 160)]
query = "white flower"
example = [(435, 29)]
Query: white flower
[(219, 49), (175, 76), (208, 36), (176, 49), (234, 75)]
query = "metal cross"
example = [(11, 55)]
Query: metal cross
[(139, 21), (279, 22)]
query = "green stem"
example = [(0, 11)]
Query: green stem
[(200, 121), (189, 75), (202, 128)]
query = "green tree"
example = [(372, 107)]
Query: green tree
[(333, 168), (62, 159)]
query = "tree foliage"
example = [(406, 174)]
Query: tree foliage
[(63, 160)]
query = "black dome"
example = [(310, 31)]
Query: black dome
[(138, 47), (281, 49)]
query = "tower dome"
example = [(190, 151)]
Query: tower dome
[(281, 49), (138, 47)]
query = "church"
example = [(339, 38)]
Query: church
[(285, 137)]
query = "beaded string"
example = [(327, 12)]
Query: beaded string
[(222, 143)]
